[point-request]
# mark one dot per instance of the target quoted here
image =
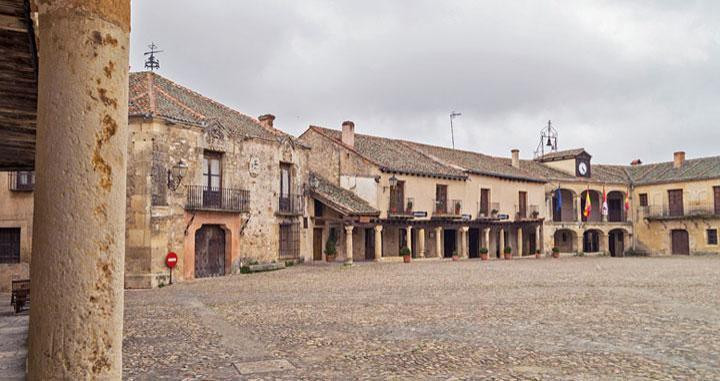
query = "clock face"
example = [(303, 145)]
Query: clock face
[(582, 168)]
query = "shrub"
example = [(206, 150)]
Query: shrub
[(330, 248), (507, 250), (245, 270), (483, 250), (405, 251), (289, 263), (555, 250)]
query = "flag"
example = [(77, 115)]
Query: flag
[(588, 205), (604, 204), (627, 202), (558, 199)]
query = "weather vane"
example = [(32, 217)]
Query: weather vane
[(151, 62)]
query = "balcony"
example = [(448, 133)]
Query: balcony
[(490, 211), (443, 209), (530, 212), (203, 198), (695, 210), (291, 204), (22, 181), (401, 208)]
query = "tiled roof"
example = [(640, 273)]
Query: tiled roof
[(477, 163), (340, 199), (561, 155), (395, 155), (150, 94), (692, 169)]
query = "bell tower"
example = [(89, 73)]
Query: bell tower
[(548, 141)]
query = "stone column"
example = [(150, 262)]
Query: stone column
[(349, 244), (465, 253), (378, 243), (487, 239), (502, 241), (421, 243), (605, 242), (519, 242), (409, 237), (578, 207), (538, 238), (78, 257), (438, 243)]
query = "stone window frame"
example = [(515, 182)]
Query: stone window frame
[(711, 236)]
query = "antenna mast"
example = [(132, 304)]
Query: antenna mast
[(453, 115), (152, 62)]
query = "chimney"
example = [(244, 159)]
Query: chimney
[(679, 159), (515, 158), (636, 162), (267, 120), (348, 133)]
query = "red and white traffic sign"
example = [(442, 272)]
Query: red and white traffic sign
[(171, 259)]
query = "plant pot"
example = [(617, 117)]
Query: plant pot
[(330, 257), (508, 256), (484, 257), (406, 258), (455, 258), (556, 255)]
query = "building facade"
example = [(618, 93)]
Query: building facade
[(16, 209)]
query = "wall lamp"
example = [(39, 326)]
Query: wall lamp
[(176, 175)]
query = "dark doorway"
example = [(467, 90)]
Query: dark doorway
[(680, 242), (532, 243), (591, 241), (209, 251), (498, 248), (10, 245), (317, 244), (369, 244), (474, 243), (450, 242), (616, 241)]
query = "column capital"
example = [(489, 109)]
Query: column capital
[(409, 227), (349, 228), (465, 228), (378, 228)]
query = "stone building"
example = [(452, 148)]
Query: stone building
[(435, 201), (16, 208), (215, 186)]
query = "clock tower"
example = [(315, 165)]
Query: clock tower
[(582, 165)]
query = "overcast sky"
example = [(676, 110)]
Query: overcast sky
[(625, 79)]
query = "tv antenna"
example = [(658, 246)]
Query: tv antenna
[(453, 115), (152, 62), (548, 141)]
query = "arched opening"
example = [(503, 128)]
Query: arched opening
[(680, 242), (562, 206), (565, 240), (595, 206), (591, 241), (616, 206), (209, 251), (616, 242)]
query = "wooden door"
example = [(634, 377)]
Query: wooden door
[(209, 251), (369, 244), (716, 191), (10, 245), (615, 209), (285, 186), (212, 180), (317, 244), (441, 198), (397, 197), (675, 202), (485, 202), (522, 204), (680, 242)]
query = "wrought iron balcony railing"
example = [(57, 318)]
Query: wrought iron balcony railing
[(529, 212), (398, 208), (492, 210), (687, 211), (443, 208), (292, 203), (218, 199)]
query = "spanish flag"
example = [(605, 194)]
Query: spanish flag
[(627, 201), (588, 205)]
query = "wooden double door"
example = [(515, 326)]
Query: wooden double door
[(209, 251), (680, 242)]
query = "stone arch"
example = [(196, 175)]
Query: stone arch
[(566, 211), (618, 242), (565, 240), (616, 206), (592, 241), (595, 203), (190, 249)]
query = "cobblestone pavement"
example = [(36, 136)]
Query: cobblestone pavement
[(13, 341), (566, 319)]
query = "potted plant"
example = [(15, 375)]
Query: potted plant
[(409, 207), (494, 212), (454, 255), (555, 252), (330, 250), (508, 252), (406, 254), (458, 207), (484, 253), (537, 254), (535, 214)]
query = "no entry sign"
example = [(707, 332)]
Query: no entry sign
[(171, 259)]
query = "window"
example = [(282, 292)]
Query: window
[(290, 240), (319, 208), (441, 198), (485, 202), (522, 204), (716, 192), (212, 171), (22, 181), (643, 199), (712, 237), (10, 245)]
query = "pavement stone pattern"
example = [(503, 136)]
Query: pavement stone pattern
[(600, 318), (13, 341)]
